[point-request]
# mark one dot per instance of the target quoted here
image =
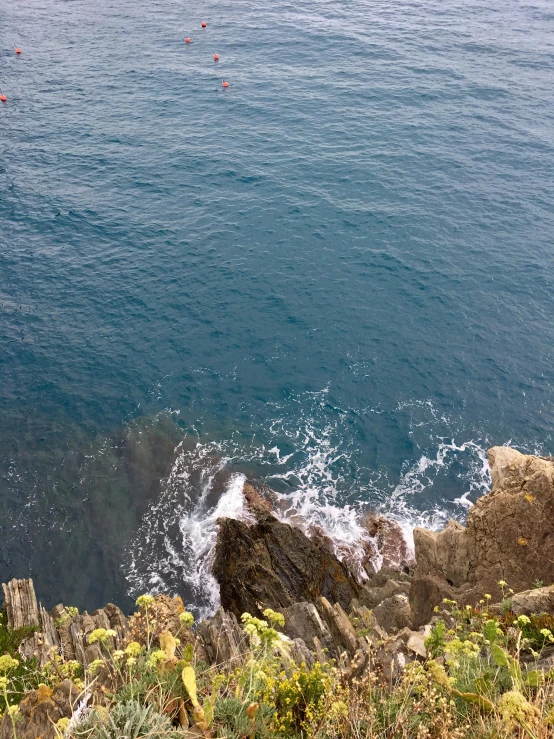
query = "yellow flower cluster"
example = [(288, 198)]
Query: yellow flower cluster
[(157, 657), (101, 635), (515, 709), (186, 619), (133, 649), (8, 663), (95, 666), (257, 627), (145, 601)]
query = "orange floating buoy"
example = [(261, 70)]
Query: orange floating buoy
[(187, 40), (204, 24), (225, 84), (18, 50), (3, 98), (216, 57)]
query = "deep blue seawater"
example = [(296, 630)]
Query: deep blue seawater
[(336, 275)]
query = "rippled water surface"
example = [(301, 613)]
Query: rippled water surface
[(335, 275)]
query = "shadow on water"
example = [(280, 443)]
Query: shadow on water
[(68, 517)]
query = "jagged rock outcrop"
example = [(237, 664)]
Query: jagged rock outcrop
[(302, 621), (394, 613), (40, 711), (340, 627), (390, 544), (223, 638), (62, 629), (384, 584), (271, 564), (20, 603), (509, 536)]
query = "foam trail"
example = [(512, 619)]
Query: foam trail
[(320, 491), (199, 530)]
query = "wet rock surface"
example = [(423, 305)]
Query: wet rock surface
[(390, 544), (271, 564)]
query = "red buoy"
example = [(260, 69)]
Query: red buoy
[(225, 84), (18, 50), (187, 40), (216, 57), (3, 98), (204, 24)]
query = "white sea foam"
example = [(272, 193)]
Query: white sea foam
[(314, 468), (427, 472), (321, 493), (174, 545)]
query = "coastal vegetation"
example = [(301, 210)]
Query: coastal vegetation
[(484, 676), (456, 642)]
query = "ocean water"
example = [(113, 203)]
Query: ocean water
[(335, 275)]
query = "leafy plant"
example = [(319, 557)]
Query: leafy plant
[(436, 641), (231, 716), (128, 720)]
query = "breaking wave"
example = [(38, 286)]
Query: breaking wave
[(174, 545), (315, 467)]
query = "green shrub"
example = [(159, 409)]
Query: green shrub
[(24, 676), (233, 722)]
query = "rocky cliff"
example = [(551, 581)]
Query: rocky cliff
[(509, 536), (378, 622)]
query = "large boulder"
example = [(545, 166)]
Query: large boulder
[(509, 536), (538, 600), (373, 595), (222, 637), (394, 613), (302, 621), (271, 564)]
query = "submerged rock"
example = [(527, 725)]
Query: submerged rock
[(509, 536)]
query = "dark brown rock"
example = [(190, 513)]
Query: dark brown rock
[(259, 498), (272, 564)]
